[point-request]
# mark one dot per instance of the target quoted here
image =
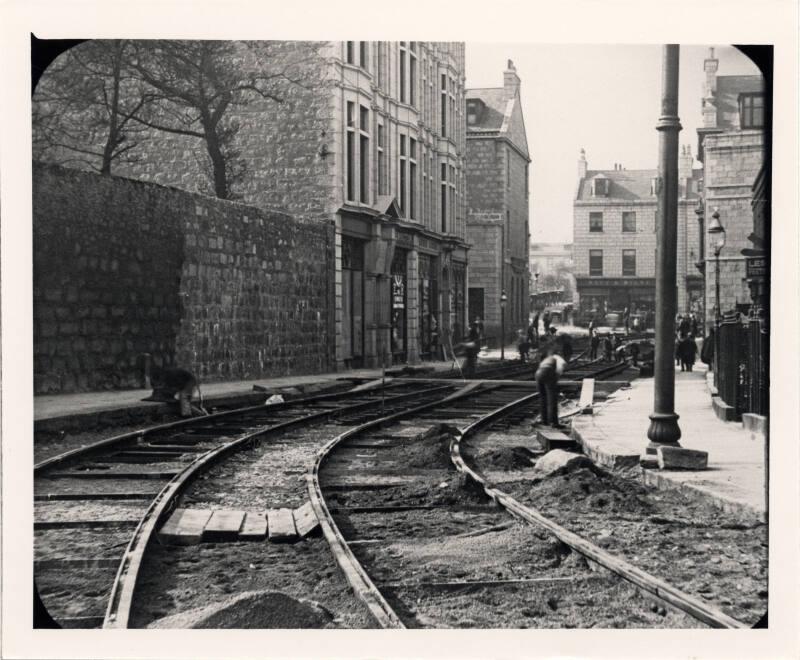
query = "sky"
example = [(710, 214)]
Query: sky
[(604, 99)]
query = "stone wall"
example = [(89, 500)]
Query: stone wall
[(123, 268)]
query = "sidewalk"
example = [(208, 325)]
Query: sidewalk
[(616, 435), (50, 406)]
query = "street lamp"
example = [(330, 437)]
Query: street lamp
[(717, 232), (503, 301)]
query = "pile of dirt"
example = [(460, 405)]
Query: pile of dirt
[(600, 490), (429, 452), (506, 458), (452, 489), (255, 609)]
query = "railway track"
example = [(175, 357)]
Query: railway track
[(96, 508), (424, 545)]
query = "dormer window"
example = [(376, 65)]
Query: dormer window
[(600, 187), (751, 111), (473, 111)]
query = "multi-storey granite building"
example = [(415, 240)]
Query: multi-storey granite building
[(497, 205), (731, 146), (614, 243), (373, 141)]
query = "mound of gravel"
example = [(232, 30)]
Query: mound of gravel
[(506, 458), (253, 609)]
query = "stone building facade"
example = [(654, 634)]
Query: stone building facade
[(731, 148), (497, 205), (614, 244), (373, 143)]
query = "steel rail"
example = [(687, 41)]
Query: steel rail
[(354, 572), (187, 423), (120, 600), (663, 591)]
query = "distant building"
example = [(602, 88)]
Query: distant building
[(614, 244), (551, 266), (497, 205), (731, 147)]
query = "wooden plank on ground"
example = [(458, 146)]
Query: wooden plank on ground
[(305, 520), (587, 396), (254, 527), (281, 525), (184, 527), (224, 525)]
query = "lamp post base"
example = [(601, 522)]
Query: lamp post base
[(663, 432)]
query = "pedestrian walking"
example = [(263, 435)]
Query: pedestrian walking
[(471, 348), (608, 349), (523, 346), (626, 320), (550, 368), (592, 325), (684, 327), (533, 333), (594, 344), (677, 349), (693, 324), (707, 354), (688, 352), (546, 322), (535, 323)]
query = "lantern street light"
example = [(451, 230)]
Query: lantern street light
[(503, 301), (717, 233)]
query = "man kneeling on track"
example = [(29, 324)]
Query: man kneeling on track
[(550, 368), (170, 381)]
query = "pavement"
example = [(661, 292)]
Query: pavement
[(615, 436), (52, 406)]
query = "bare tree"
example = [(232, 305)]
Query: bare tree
[(197, 86), (84, 105)]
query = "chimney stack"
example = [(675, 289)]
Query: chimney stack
[(709, 103), (511, 81), (583, 166)]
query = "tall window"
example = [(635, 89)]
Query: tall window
[(595, 263), (412, 178), (412, 74), (350, 54), (363, 54), (629, 263), (381, 57), (629, 221), (402, 196), (443, 207), (452, 182), (444, 105), (751, 110), (363, 156), (381, 161), (402, 72), (596, 221), (350, 156)]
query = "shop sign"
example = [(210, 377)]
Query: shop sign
[(756, 267)]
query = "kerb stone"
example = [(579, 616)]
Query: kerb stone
[(679, 458)]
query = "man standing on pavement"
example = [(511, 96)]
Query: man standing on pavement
[(546, 322), (547, 379)]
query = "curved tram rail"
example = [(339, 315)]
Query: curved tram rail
[(503, 402), (79, 484)]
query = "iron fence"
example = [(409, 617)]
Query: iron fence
[(742, 363)]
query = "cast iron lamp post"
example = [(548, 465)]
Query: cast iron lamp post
[(503, 301), (664, 429), (717, 232)]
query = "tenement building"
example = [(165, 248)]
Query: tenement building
[(731, 148), (369, 137), (614, 245), (497, 205)]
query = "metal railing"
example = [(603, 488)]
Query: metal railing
[(742, 364)]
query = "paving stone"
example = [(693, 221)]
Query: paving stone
[(305, 519), (680, 458)]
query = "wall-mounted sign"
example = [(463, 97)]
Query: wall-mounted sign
[(756, 267)]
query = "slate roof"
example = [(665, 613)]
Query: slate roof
[(500, 116), (624, 185)]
